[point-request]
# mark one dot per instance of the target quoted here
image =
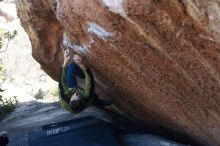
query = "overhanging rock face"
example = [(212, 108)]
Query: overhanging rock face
[(158, 60)]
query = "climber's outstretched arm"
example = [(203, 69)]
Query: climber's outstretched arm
[(66, 58)]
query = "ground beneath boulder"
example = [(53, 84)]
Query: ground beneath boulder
[(30, 116)]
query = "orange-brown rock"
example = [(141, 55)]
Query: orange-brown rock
[(45, 33), (158, 60)]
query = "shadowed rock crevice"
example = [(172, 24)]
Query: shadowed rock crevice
[(158, 60)]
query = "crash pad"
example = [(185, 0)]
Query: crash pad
[(86, 131)]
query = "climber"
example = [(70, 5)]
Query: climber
[(72, 97), (4, 138), (72, 70)]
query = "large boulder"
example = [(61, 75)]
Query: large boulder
[(158, 60)]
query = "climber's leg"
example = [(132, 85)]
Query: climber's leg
[(72, 71)]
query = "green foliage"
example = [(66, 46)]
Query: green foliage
[(6, 37), (40, 94), (7, 106)]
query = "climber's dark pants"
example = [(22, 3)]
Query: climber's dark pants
[(73, 70)]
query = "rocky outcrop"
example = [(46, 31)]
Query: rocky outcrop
[(158, 60), (45, 33)]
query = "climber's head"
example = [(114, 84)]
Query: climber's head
[(76, 102)]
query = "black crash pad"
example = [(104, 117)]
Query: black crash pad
[(86, 131)]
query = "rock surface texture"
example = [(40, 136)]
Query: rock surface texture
[(158, 60)]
